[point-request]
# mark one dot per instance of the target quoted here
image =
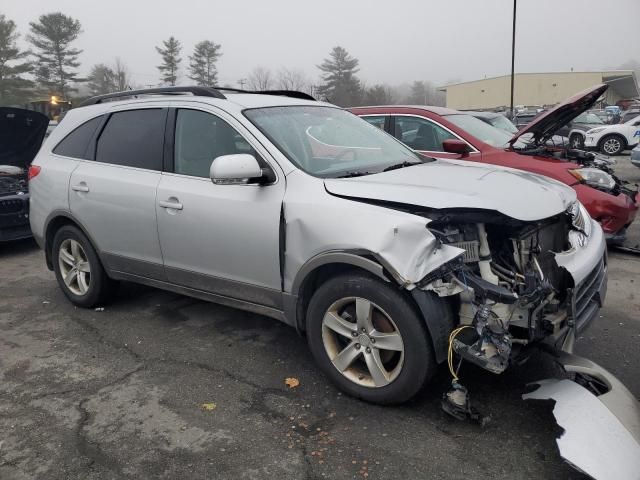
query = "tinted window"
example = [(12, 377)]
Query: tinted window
[(421, 134), (200, 138), (75, 144), (133, 138)]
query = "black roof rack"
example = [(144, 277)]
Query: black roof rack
[(195, 90), (281, 93)]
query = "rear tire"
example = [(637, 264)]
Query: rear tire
[(390, 360), (612, 144), (78, 269)]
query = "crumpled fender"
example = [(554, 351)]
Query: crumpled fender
[(401, 240)]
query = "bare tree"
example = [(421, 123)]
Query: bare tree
[(292, 80), (260, 79), (122, 77)]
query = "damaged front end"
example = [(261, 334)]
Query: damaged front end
[(518, 283)]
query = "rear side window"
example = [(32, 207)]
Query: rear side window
[(77, 142), (133, 138)]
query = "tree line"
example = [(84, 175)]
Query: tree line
[(51, 67)]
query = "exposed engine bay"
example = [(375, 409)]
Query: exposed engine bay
[(13, 180), (510, 291)]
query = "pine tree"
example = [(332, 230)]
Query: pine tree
[(170, 60), (341, 86), (13, 65), (102, 79), (52, 36), (202, 64)]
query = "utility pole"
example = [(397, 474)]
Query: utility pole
[(241, 82), (513, 54)]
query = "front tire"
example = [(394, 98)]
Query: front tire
[(367, 337), (576, 141), (78, 269), (612, 144)]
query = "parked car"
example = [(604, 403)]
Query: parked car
[(614, 139), (21, 134), (301, 211), (575, 129), (495, 119), (452, 134), (629, 115), (524, 118), (635, 156)]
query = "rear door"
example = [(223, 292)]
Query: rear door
[(113, 195), (222, 239)]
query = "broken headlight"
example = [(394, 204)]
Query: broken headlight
[(594, 177), (580, 218)]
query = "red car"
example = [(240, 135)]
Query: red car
[(446, 133)]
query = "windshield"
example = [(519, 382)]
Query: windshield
[(591, 118), (481, 130), (503, 123), (329, 142)]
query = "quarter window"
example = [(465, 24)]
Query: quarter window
[(377, 121), (200, 138), (76, 144), (420, 134), (133, 138)]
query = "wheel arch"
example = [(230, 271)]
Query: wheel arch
[(324, 266), (622, 138), (56, 220)]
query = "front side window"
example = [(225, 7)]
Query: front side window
[(75, 144), (421, 134), (481, 130), (133, 138), (329, 142), (200, 138)]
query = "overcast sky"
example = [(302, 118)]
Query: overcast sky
[(396, 41)]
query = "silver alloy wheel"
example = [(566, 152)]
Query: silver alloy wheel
[(612, 146), (575, 143), (362, 342), (74, 266)]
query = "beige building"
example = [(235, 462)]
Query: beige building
[(538, 89)]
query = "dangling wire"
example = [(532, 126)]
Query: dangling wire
[(452, 337)]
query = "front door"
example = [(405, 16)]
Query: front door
[(222, 239)]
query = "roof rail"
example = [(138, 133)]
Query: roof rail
[(199, 91), (282, 93), (214, 92)]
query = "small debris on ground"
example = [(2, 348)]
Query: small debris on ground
[(291, 382), (208, 406)]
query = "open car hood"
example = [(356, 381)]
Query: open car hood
[(21, 135), (544, 126), (449, 184)]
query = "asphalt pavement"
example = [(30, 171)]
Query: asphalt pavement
[(157, 385)]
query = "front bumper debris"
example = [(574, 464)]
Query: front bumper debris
[(601, 419)]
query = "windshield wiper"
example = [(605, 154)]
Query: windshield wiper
[(395, 166), (354, 173)]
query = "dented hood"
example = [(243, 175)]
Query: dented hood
[(447, 184), (544, 126)]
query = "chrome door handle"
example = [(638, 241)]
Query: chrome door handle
[(79, 188), (174, 205)]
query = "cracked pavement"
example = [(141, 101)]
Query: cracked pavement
[(118, 393)]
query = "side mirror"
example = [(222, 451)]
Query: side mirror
[(238, 168), (453, 145)]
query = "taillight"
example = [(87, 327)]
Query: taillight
[(34, 170)]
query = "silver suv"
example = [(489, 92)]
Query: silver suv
[(388, 261)]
